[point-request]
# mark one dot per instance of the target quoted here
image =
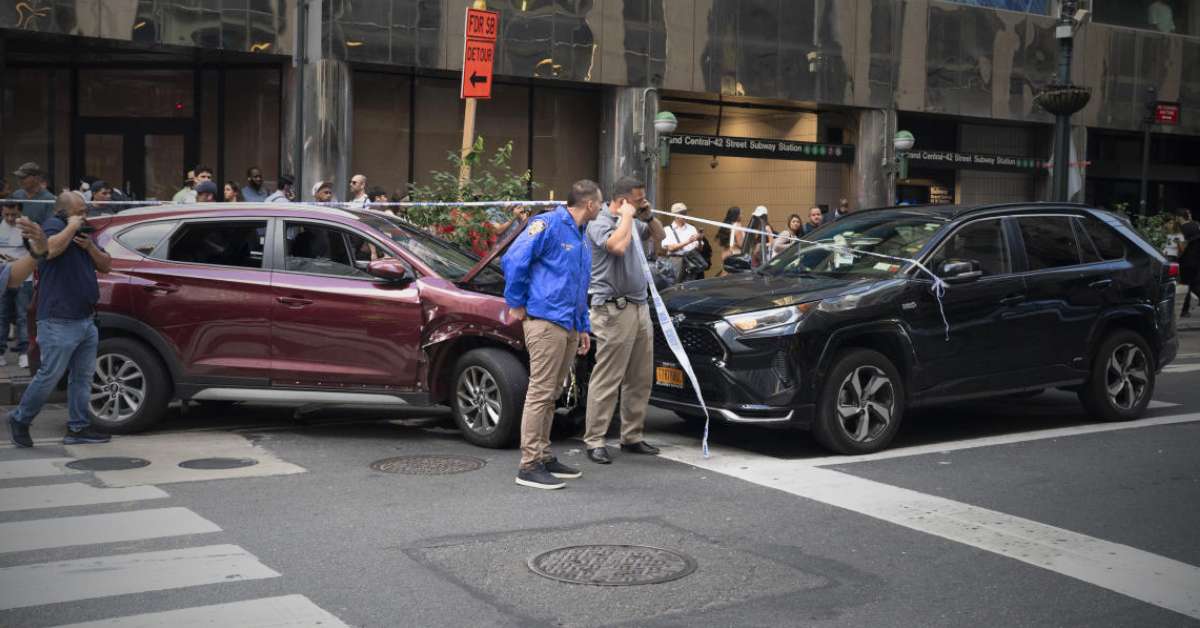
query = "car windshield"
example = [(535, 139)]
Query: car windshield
[(445, 258), (838, 248)]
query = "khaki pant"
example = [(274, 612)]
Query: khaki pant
[(551, 353), (624, 365)]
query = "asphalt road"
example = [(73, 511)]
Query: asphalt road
[(990, 513)]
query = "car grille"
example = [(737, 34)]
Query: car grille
[(697, 341)]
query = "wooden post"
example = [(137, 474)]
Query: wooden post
[(468, 140)]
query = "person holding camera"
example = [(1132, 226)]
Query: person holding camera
[(683, 244), (66, 327)]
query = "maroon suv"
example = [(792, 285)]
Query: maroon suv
[(304, 305)]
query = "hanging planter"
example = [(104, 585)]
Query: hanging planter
[(1063, 100)]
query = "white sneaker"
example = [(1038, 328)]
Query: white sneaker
[(23, 361), (3, 360)]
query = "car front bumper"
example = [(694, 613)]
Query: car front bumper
[(747, 414)]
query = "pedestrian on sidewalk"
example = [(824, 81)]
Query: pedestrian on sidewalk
[(322, 191), (546, 273), (231, 193), (1189, 259), (14, 302), (620, 318), (253, 191), (33, 187), (283, 194), (187, 193), (206, 192), (793, 233), (66, 326), (358, 192)]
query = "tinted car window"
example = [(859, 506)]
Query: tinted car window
[(1086, 248), (145, 238), (326, 251), (1108, 242), (221, 243), (981, 241), (1049, 241)]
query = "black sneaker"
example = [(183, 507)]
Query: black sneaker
[(19, 433), (85, 436), (538, 477), (562, 471)]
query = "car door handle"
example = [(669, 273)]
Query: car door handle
[(1012, 299), (1101, 284), (160, 288), (294, 302)]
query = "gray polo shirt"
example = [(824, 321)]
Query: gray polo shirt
[(615, 275), (36, 212)]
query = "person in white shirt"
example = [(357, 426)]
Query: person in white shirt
[(682, 238), (358, 191), (14, 302), (1161, 16)]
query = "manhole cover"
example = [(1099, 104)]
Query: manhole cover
[(427, 465), (108, 464), (612, 565), (218, 463)]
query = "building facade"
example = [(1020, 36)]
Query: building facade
[(803, 96)]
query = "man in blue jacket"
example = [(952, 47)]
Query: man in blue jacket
[(546, 274)]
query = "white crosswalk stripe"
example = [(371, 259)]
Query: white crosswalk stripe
[(64, 581), (63, 495), (35, 468), (288, 611), (23, 536), (102, 576)]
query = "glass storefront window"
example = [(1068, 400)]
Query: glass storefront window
[(439, 120), (252, 113), (381, 130), (1164, 16), (136, 93), (1040, 7), (565, 139), (26, 123)]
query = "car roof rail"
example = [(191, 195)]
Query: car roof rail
[(1031, 204)]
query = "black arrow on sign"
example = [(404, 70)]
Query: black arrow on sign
[(476, 79)]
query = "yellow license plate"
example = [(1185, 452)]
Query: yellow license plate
[(668, 376)]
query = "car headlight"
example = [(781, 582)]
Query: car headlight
[(773, 322)]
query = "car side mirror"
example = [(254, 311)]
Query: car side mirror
[(388, 270), (960, 271), (737, 264)]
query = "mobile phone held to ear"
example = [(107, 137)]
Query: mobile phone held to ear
[(85, 228)]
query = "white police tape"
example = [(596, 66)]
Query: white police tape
[(671, 336)]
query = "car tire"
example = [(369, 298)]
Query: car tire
[(127, 368), (843, 431), (501, 379), (1123, 362)]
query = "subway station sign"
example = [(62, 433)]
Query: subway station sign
[(974, 161), (758, 148)]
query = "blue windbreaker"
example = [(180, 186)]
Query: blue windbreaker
[(547, 271)]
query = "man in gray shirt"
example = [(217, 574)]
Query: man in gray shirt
[(33, 188), (620, 323)]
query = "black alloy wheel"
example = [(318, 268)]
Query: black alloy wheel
[(1122, 378), (861, 404)]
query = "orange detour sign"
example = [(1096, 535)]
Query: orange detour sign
[(479, 53)]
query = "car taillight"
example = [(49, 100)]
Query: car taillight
[(1173, 270)]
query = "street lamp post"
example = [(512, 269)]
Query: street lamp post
[(1063, 99), (902, 143)]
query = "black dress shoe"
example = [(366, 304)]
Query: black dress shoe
[(640, 447), (599, 455)]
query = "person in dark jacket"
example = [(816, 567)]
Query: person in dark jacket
[(1189, 259)]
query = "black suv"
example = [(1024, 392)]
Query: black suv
[(1037, 296)]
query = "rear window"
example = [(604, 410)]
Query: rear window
[(1109, 244), (145, 238), (220, 243), (1049, 241)]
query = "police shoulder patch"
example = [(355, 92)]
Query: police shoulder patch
[(537, 227)]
